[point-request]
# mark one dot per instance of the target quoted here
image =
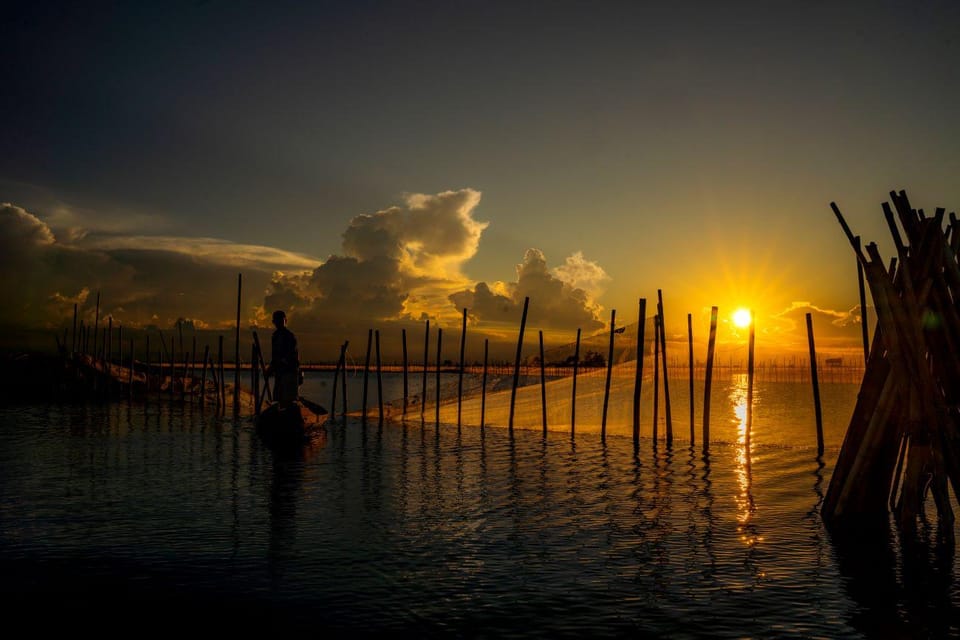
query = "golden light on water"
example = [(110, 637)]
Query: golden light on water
[(745, 504), (742, 318)]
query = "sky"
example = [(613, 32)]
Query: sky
[(373, 165)]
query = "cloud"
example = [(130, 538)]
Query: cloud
[(42, 277), (581, 273), (830, 327), (398, 263), (555, 302)]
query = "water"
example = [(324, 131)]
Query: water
[(170, 519)]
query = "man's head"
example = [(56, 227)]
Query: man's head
[(279, 319)]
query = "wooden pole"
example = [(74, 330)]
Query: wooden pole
[(221, 387), (336, 381), (108, 345), (73, 335), (263, 367), (379, 380), (816, 385), (173, 367), (708, 377), (483, 383), (96, 326), (255, 378), (864, 329), (750, 362), (236, 358), (159, 374), (573, 395), (543, 387), (343, 388), (403, 335), (656, 378), (366, 372), (146, 380), (193, 364), (666, 379), (690, 365), (426, 359), (606, 387), (439, 351), (203, 375), (130, 378), (516, 366), (463, 345), (638, 377)]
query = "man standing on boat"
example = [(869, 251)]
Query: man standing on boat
[(284, 362)]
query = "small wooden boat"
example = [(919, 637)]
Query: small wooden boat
[(293, 426)]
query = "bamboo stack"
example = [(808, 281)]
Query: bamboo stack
[(903, 440)]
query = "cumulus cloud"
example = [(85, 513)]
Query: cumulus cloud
[(581, 273), (43, 276), (555, 302), (393, 264)]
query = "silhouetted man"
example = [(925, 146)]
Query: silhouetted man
[(284, 362)]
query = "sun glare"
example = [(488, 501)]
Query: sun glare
[(742, 318)]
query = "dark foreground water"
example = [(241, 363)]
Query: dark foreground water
[(132, 520)]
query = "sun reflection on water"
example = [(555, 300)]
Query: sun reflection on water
[(744, 499)]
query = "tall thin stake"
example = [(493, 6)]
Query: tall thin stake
[(864, 329), (656, 377), (366, 372), (439, 356), (483, 383), (405, 387), (73, 335), (816, 384), (690, 366), (708, 377), (543, 387), (379, 380), (749, 430), (606, 387), (426, 359), (573, 394), (336, 382), (638, 377), (666, 379), (516, 366), (463, 345), (96, 326), (236, 357)]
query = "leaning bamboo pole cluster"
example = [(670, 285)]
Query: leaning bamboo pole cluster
[(903, 439)]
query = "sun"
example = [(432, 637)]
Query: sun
[(742, 318)]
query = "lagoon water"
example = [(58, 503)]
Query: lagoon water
[(138, 518)]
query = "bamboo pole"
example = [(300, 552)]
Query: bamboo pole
[(463, 344), (483, 384), (516, 366), (865, 330), (656, 378), (366, 373), (254, 378), (606, 386), (750, 362), (426, 359), (193, 364), (379, 381), (236, 360), (73, 334), (221, 386), (666, 379), (96, 326), (690, 365), (343, 388), (543, 387), (403, 335), (336, 382), (439, 356), (573, 394), (263, 367), (638, 376), (130, 378), (708, 378), (203, 375), (816, 385), (159, 374), (183, 355), (146, 379)]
